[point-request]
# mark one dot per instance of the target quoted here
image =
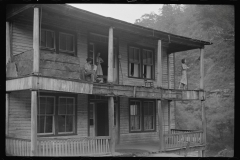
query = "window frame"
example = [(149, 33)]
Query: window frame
[(55, 118), (54, 111), (142, 129), (66, 51), (47, 48), (57, 32), (141, 49)]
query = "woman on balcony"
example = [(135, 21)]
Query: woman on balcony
[(99, 72), (184, 74)]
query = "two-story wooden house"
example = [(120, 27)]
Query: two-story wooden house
[(52, 110)]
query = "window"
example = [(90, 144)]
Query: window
[(56, 114), (147, 63), (134, 62), (140, 63), (47, 39), (142, 115), (66, 42), (45, 115), (62, 42)]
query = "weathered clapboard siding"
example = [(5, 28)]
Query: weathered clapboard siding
[(82, 113), (20, 114), (22, 37)]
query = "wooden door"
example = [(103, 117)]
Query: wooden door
[(102, 124)]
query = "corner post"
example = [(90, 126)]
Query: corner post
[(111, 124), (8, 48), (7, 112), (33, 123), (202, 68), (110, 56), (36, 40), (159, 64), (204, 124), (160, 125)]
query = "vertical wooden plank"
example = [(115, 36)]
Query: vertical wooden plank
[(199, 153), (110, 55), (111, 124), (204, 125), (202, 68), (8, 43), (159, 64), (160, 126), (7, 112), (33, 122), (36, 41)]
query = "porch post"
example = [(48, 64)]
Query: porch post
[(204, 125), (159, 64), (33, 123), (169, 117), (160, 125), (36, 41), (111, 124), (7, 112), (202, 68), (110, 56), (8, 51)]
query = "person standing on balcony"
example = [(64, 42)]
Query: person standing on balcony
[(99, 73), (90, 69), (184, 74)]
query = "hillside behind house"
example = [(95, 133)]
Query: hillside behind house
[(213, 23)]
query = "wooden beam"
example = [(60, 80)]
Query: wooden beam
[(204, 125), (33, 123), (36, 41), (111, 124), (110, 56), (159, 64), (8, 48), (169, 117), (160, 126), (7, 112), (202, 68), (19, 84)]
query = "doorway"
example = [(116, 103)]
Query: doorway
[(102, 125)]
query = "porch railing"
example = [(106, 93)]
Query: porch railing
[(18, 147), (59, 147), (179, 138)]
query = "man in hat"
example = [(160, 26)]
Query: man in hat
[(90, 69)]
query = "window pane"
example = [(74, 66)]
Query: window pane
[(49, 123), (43, 38), (150, 110), (148, 71), (145, 108), (148, 122), (69, 43), (144, 56), (149, 57), (42, 105), (50, 39), (69, 123), (131, 69), (62, 39), (41, 124), (49, 105), (131, 54), (136, 70), (61, 123), (70, 109), (62, 106), (144, 71), (136, 55)]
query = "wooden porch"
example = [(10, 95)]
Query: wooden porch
[(108, 89), (178, 140), (83, 146)]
